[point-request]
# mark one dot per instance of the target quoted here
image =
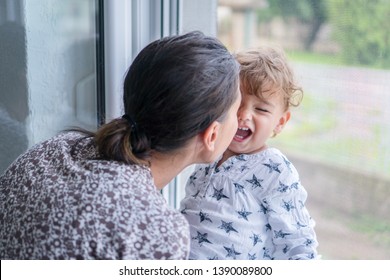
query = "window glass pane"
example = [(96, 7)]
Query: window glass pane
[(338, 138), (47, 71)]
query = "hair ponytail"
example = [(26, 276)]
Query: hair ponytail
[(119, 141)]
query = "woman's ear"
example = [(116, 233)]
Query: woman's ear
[(210, 136), (282, 122)]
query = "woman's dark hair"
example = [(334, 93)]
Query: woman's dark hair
[(174, 89)]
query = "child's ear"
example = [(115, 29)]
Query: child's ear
[(282, 122), (210, 136)]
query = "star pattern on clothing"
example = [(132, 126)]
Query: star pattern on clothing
[(264, 209), (282, 187), (238, 188), (192, 179), (218, 194), (256, 183), (273, 166), (298, 225), (243, 168), (288, 205), (256, 239), (241, 158), (266, 254), (243, 214), (231, 252), (294, 185), (227, 227), (241, 201), (280, 234), (227, 168), (251, 256), (204, 217), (309, 242), (287, 163), (201, 238)]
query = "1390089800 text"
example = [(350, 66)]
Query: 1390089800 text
[(232, 270)]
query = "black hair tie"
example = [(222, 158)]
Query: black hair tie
[(130, 120)]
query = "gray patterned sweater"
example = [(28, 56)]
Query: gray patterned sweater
[(60, 201)]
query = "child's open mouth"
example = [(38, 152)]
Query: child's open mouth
[(242, 133)]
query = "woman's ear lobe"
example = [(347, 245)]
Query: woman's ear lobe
[(210, 136)]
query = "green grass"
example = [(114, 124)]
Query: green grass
[(326, 59), (316, 58)]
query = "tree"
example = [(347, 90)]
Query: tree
[(310, 12), (362, 29)]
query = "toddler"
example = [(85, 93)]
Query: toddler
[(250, 204)]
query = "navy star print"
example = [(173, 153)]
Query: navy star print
[(264, 209), (281, 234), (256, 183), (251, 257), (299, 225), (266, 254), (227, 227), (231, 252), (282, 187), (287, 163), (272, 166), (256, 239), (218, 194), (204, 217), (288, 205), (243, 214), (193, 178), (249, 207), (238, 188), (201, 238)]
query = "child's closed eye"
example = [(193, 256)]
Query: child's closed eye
[(262, 110)]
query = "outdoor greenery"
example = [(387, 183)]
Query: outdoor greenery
[(310, 12), (362, 30), (312, 57), (359, 27)]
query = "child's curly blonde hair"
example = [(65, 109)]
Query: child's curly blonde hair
[(266, 69)]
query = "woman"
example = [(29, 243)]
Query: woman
[(83, 195)]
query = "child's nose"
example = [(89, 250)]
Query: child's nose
[(243, 114)]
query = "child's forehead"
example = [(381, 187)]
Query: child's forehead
[(264, 93)]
